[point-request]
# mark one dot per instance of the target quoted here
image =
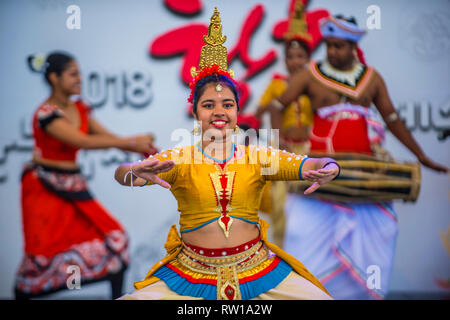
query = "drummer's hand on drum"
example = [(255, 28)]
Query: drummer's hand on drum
[(427, 162), (320, 176), (148, 170)]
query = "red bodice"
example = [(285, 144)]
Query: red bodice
[(47, 146), (343, 135)]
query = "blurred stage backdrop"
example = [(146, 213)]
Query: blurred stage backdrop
[(135, 70)]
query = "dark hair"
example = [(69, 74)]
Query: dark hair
[(214, 78), (349, 19), (301, 43), (55, 62)]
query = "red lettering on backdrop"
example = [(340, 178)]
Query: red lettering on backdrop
[(188, 40), (241, 49), (187, 7)]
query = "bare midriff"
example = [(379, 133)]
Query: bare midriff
[(212, 235), (65, 165)]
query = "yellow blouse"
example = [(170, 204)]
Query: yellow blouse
[(297, 114), (207, 191)]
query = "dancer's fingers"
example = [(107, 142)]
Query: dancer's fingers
[(315, 174), (313, 188), (326, 171), (146, 164), (159, 167), (308, 176), (161, 182)]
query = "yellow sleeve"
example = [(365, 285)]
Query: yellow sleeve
[(171, 175), (306, 113), (273, 90), (298, 113), (281, 165), (290, 116)]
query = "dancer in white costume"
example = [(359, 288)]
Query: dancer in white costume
[(344, 242)]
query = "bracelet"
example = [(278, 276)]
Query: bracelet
[(392, 117), (132, 174), (277, 104), (128, 173), (339, 168)]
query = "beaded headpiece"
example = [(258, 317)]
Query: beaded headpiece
[(213, 57)]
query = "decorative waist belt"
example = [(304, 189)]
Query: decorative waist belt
[(68, 184), (224, 267), (241, 272)]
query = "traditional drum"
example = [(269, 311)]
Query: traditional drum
[(365, 177)]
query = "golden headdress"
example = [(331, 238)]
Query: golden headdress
[(297, 26), (213, 56)]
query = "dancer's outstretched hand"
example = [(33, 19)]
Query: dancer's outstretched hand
[(320, 177), (148, 170)]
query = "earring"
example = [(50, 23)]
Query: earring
[(197, 130), (236, 130)]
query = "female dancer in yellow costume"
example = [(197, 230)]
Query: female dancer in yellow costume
[(223, 252), (297, 118)]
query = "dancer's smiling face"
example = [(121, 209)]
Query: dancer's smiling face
[(217, 110), (296, 56), (69, 81)]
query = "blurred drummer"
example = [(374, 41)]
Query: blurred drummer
[(339, 241)]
